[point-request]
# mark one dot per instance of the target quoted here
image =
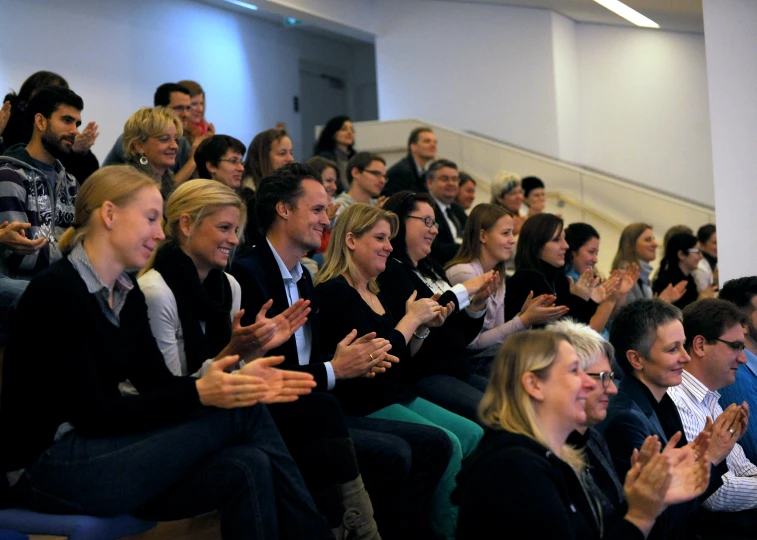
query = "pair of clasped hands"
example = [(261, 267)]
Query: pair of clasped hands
[(260, 381), (675, 475)]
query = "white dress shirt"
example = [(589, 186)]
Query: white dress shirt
[(695, 402)]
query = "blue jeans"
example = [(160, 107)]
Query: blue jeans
[(460, 397), (401, 464), (464, 436), (230, 460), (10, 291)]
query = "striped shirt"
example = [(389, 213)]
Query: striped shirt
[(695, 402)]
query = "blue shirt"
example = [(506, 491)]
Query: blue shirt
[(744, 389), (302, 337)]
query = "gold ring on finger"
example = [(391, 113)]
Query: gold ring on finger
[(371, 356)]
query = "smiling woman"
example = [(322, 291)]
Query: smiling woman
[(151, 142)]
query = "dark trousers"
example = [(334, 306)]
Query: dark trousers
[(402, 464), (230, 460), (460, 397), (706, 525)]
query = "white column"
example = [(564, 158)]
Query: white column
[(730, 31)]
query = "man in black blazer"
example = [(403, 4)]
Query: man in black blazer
[(443, 183), (291, 208), (408, 173)]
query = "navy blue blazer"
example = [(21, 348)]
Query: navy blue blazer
[(259, 276)]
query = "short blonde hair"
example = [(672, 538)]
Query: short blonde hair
[(587, 342), (357, 219), (506, 403), (503, 183), (148, 122), (118, 184)]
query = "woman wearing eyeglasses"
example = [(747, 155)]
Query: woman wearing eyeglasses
[(681, 258), (221, 158), (441, 367)]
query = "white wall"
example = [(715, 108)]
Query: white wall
[(630, 102), (469, 66), (114, 54), (732, 70), (644, 109)]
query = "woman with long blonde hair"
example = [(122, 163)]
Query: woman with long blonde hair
[(524, 476), (348, 297), (182, 445)]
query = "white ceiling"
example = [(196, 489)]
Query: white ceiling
[(672, 15)]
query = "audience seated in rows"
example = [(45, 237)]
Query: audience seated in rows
[(526, 476), (348, 297), (17, 126), (291, 207), (408, 174), (177, 98), (182, 446), (487, 243)]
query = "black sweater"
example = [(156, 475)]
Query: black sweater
[(343, 309), (546, 280), (514, 485), (445, 350), (65, 360), (672, 276)]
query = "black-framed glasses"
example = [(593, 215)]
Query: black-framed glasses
[(605, 377), (377, 174), (427, 221), (736, 346), (234, 162)]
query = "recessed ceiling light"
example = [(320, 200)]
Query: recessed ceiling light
[(243, 4), (627, 13)]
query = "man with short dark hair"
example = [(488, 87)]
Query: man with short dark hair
[(396, 458), (366, 175), (649, 341), (177, 98), (409, 172), (714, 332), (742, 293), (443, 183), (36, 192)]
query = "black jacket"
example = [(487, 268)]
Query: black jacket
[(445, 349), (444, 247), (514, 485), (402, 176), (260, 279)]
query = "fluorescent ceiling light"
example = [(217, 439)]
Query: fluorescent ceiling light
[(627, 13), (243, 4)]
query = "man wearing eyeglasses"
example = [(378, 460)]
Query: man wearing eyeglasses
[(176, 98), (443, 183), (366, 175), (715, 342), (742, 293), (649, 339)]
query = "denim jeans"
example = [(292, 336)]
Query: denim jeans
[(402, 464), (230, 460), (460, 397)]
